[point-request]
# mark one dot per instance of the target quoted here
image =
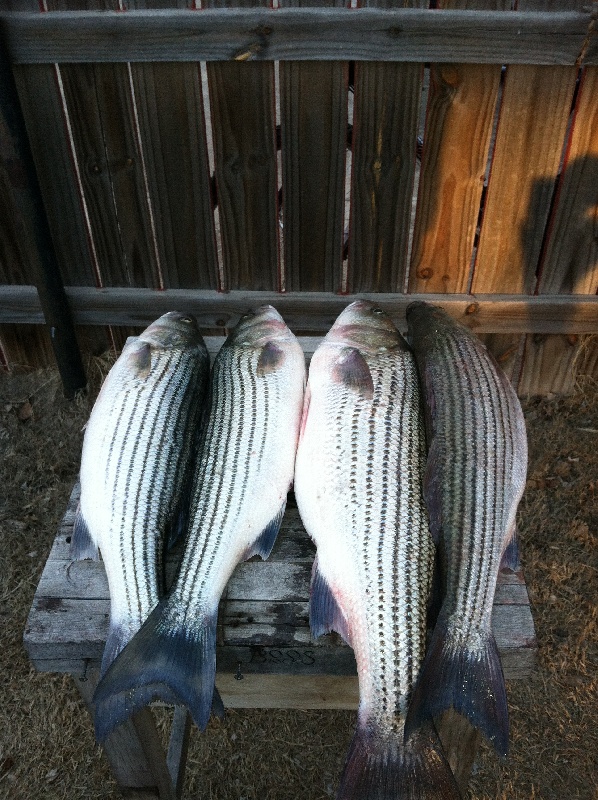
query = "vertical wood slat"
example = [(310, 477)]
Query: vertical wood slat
[(172, 126), (459, 119), (533, 120), (529, 141), (531, 132), (313, 99), (244, 129), (170, 109), (385, 123), (570, 263)]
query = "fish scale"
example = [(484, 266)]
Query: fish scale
[(133, 464), (358, 484), (475, 477), (243, 471)]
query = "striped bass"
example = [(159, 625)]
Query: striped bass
[(475, 477), (358, 485), (244, 469), (133, 464)]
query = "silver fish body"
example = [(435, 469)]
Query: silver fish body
[(358, 484), (244, 469), (475, 477), (133, 465)]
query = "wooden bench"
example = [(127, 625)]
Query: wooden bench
[(266, 656)]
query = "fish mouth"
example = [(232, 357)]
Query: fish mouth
[(259, 326), (363, 324), (172, 329)]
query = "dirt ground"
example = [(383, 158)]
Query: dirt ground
[(47, 749)]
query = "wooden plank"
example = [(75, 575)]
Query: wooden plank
[(134, 749), (549, 365), (459, 118), (570, 262), (173, 132), (244, 129), (534, 113), (312, 311), (177, 748), (26, 346), (402, 34), (263, 620), (289, 691), (313, 103), (385, 125), (125, 166)]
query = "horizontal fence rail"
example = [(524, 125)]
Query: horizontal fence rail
[(304, 34), (306, 311)]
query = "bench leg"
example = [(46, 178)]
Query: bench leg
[(460, 741), (135, 752)]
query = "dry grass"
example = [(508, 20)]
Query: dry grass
[(47, 750)]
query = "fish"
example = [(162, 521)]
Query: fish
[(475, 476), (134, 462), (359, 491), (243, 471)]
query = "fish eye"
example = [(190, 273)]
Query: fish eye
[(187, 319), (377, 310), (246, 315)]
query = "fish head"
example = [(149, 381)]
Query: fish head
[(174, 329), (426, 322), (366, 327), (258, 327)]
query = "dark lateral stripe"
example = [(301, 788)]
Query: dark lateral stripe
[(242, 394), (158, 494), (209, 483), (146, 401)]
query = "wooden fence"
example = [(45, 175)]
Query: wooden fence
[(212, 159)]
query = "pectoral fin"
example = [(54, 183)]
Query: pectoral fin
[(351, 369)]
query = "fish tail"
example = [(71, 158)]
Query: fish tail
[(118, 636), (385, 769), (470, 681), (162, 661)]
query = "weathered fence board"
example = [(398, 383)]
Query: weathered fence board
[(169, 108), (570, 262), (385, 125), (313, 118), (263, 618), (529, 142), (459, 119), (244, 130), (403, 34), (242, 103), (311, 311)]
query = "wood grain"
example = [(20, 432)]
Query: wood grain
[(403, 34), (262, 619), (308, 311), (552, 364), (313, 107), (529, 142), (385, 124), (460, 113), (570, 261), (244, 129), (133, 750), (173, 135)]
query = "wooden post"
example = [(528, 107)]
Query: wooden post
[(134, 750), (30, 206)]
